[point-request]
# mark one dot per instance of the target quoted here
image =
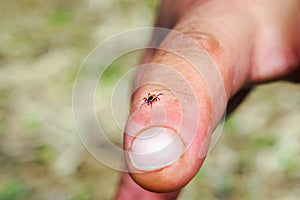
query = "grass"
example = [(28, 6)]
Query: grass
[(14, 190)]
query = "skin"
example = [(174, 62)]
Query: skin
[(250, 42)]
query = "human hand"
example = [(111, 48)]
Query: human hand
[(250, 42)]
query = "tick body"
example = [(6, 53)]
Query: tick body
[(150, 99)]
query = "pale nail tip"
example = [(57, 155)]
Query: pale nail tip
[(163, 148), (149, 167)]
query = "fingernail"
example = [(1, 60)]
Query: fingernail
[(155, 148)]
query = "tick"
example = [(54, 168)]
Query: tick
[(150, 99)]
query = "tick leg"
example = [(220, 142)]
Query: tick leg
[(157, 98), (142, 104)]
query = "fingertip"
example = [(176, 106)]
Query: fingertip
[(155, 148)]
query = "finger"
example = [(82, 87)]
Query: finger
[(191, 105), (167, 144)]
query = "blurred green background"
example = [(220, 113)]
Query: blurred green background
[(42, 45)]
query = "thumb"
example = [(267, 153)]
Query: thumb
[(178, 101)]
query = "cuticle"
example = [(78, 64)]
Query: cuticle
[(167, 127)]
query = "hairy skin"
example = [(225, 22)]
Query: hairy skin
[(250, 42)]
